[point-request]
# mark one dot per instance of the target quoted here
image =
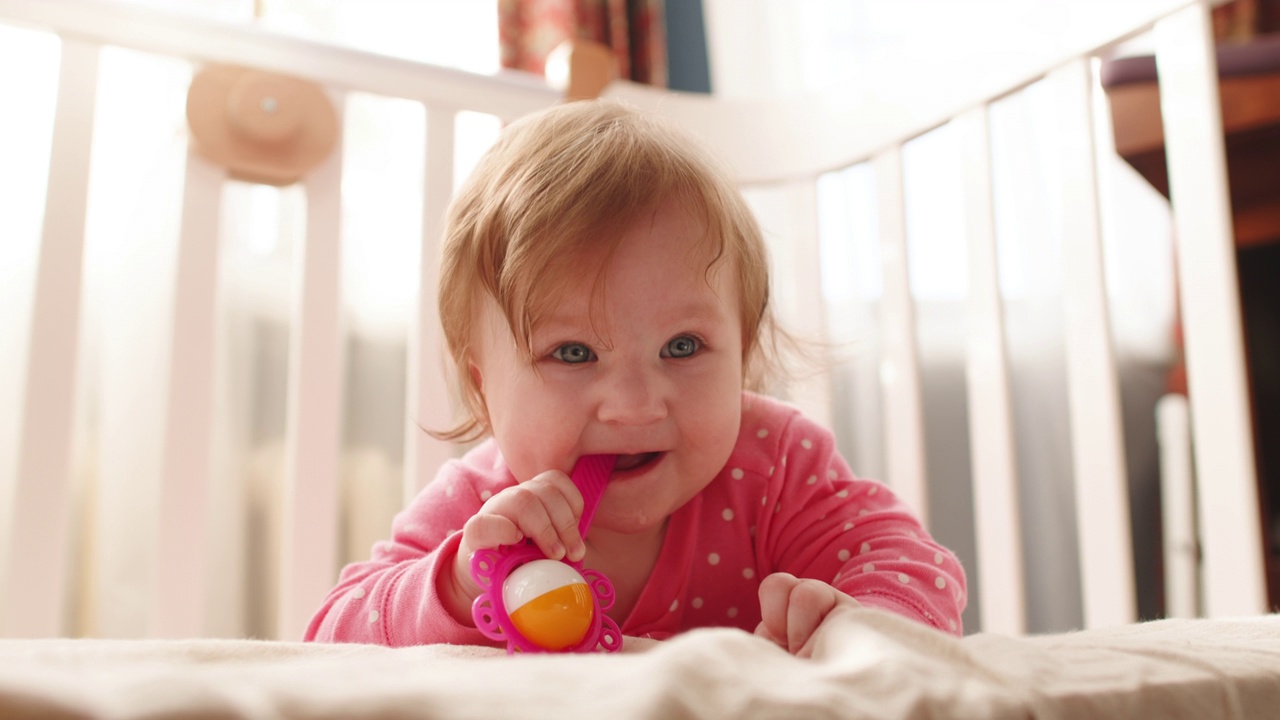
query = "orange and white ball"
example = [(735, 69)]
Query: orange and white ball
[(550, 604)]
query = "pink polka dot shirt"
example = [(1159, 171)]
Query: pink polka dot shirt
[(785, 502)]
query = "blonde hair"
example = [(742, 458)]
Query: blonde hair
[(561, 185)]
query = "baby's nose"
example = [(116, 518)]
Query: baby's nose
[(633, 398)]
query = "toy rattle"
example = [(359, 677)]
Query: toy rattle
[(535, 604)]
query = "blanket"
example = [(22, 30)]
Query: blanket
[(865, 664)]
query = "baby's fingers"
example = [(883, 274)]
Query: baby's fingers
[(810, 603), (486, 530), (791, 609), (544, 509)]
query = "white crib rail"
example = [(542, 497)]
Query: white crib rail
[(997, 526), (1097, 442), (811, 138), (1227, 493), (35, 593)]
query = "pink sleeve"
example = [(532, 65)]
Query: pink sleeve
[(856, 534), (391, 598)]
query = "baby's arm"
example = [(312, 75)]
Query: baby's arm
[(852, 536), (392, 598), (545, 509), (417, 588)]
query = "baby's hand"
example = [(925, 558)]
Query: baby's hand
[(544, 509), (791, 610)]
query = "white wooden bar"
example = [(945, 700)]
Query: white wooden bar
[(148, 29), (993, 459), (313, 432), (1097, 434), (34, 590), (900, 366), (1178, 508), (814, 394), (1227, 490), (186, 476), (819, 138), (429, 402)]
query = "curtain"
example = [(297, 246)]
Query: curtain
[(635, 29)]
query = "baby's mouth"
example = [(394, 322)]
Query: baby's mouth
[(631, 462)]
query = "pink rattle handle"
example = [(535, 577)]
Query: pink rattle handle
[(491, 567), (591, 475)]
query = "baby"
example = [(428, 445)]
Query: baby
[(604, 290)]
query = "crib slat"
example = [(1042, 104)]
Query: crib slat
[(993, 459), (428, 406), (1097, 434), (1177, 503), (34, 589), (313, 434), (813, 394), (187, 469), (900, 367), (1227, 490)]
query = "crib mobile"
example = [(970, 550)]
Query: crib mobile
[(535, 604)]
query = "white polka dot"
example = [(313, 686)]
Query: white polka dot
[(748, 573), (771, 469), (903, 578), (448, 490), (450, 531), (863, 512), (813, 480), (842, 494), (373, 616), (952, 623), (913, 534), (806, 443), (784, 459), (697, 603), (764, 501), (737, 473), (733, 612), (727, 514), (904, 558), (777, 508), (940, 583), (937, 558), (874, 489), (866, 547), (762, 433), (485, 494), (848, 527), (843, 555), (869, 567), (714, 558), (357, 593), (674, 604), (497, 463), (833, 474)]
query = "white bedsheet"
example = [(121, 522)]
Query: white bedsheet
[(866, 664)]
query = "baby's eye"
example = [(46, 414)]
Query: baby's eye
[(681, 347), (573, 353)]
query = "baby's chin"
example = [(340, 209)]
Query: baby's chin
[(626, 521)]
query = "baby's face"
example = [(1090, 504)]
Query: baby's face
[(665, 395)]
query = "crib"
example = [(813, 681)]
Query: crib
[(78, 542)]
